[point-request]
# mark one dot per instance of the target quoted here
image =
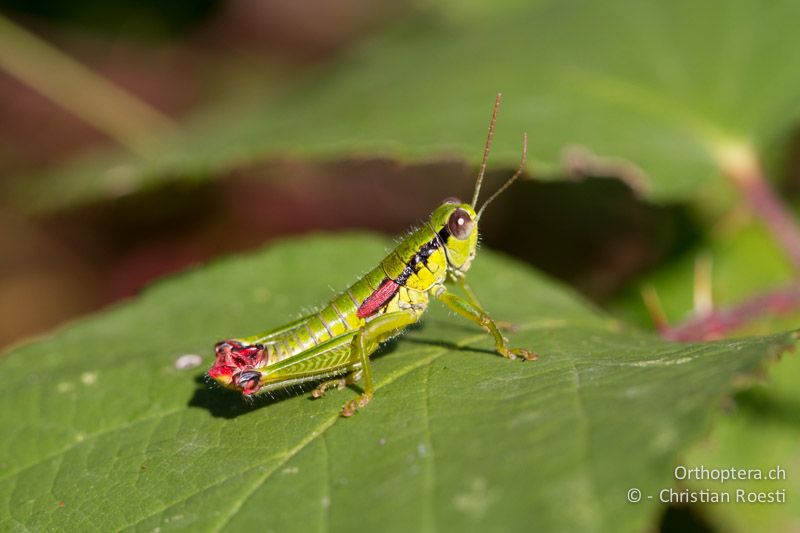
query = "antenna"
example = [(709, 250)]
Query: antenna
[(513, 178), (486, 150)]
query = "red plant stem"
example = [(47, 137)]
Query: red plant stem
[(740, 163), (746, 173), (716, 324)]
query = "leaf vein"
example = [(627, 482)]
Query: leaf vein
[(88, 438), (430, 508)]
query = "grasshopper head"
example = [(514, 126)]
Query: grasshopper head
[(236, 366), (456, 223)]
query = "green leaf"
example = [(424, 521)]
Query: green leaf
[(664, 93), (762, 430), (762, 433), (102, 432)]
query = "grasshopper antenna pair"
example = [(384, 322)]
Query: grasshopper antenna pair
[(485, 160)]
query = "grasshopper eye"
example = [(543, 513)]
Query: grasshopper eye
[(451, 200), (460, 224)]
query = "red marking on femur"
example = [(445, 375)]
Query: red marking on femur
[(378, 299)]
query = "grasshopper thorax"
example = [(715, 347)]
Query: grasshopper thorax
[(456, 225)]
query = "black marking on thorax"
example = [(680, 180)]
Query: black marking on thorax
[(443, 235), (422, 255)]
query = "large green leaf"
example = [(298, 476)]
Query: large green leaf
[(762, 429), (665, 91), (102, 432), (761, 432)]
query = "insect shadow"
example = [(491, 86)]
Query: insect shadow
[(441, 325), (225, 403), (448, 345)]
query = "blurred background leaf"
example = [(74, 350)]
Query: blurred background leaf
[(664, 95), (744, 260)]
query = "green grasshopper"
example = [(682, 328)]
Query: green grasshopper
[(337, 341)]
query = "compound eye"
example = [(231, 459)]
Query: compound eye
[(460, 224), (451, 200)]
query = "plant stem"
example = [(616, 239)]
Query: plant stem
[(126, 119), (740, 163), (716, 324)]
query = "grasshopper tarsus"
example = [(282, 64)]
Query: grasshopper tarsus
[(352, 407), (522, 353)]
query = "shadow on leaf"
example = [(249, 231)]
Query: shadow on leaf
[(448, 345)]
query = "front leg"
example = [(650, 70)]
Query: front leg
[(472, 298), (473, 312)]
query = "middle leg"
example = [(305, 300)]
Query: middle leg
[(366, 342)]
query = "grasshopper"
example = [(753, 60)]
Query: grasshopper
[(333, 345)]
